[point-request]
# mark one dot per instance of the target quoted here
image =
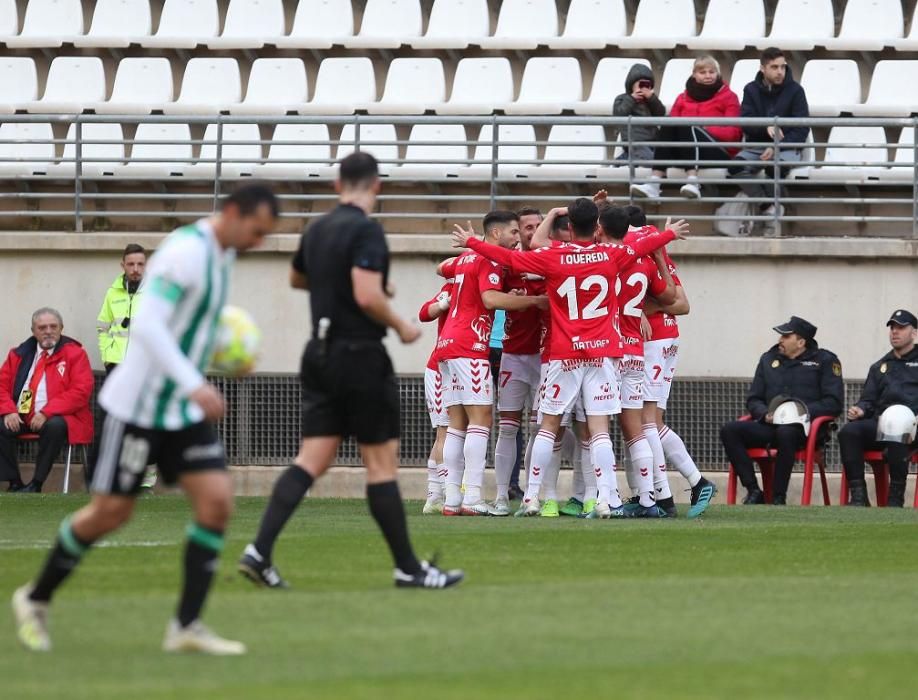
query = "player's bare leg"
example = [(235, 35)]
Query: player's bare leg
[(77, 533), (211, 496), (436, 475), (454, 459)]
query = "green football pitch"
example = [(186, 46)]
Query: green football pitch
[(744, 603)]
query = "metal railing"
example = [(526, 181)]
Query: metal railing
[(876, 186)]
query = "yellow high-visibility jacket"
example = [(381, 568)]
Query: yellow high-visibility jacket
[(117, 306)]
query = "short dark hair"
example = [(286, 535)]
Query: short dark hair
[(561, 223), (636, 216), (614, 222), (133, 249), (498, 217), (770, 54), (528, 211), (583, 214), (357, 169), (250, 197)]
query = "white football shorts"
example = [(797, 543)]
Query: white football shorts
[(660, 359), (595, 381), (467, 382), (518, 382), (632, 382), (433, 393)]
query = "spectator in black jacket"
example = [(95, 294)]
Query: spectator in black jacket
[(639, 100), (795, 368), (892, 380), (773, 93)]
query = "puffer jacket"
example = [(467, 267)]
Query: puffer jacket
[(725, 103)]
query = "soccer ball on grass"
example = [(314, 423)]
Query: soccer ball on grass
[(237, 343)]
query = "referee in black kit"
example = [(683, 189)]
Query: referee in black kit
[(349, 386)]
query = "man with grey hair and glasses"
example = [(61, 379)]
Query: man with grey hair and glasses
[(45, 386)]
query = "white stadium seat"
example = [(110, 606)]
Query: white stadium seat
[(523, 24), (743, 73), (869, 154), (342, 85), (18, 82), (142, 85), (209, 86), (117, 24), (377, 139), (73, 84), (40, 154), (830, 85), (413, 86), (439, 143), (319, 24), (184, 24), (304, 160), (893, 91), (868, 25), (168, 153), (250, 24), (608, 81), (676, 72), (48, 24), (800, 24), (573, 152), (910, 43), (661, 24), (276, 86), (454, 24), (730, 25), (904, 157), (523, 135), (9, 19), (550, 84), (104, 158), (480, 86), (236, 159), (592, 24), (387, 24)]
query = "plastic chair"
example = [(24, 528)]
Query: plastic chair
[(480, 86), (209, 86), (74, 83), (32, 437), (141, 86), (184, 24), (319, 24), (549, 85), (249, 24), (661, 24), (387, 24), (116, 24), (454, 24), (342, 85), (18, 82), (164, 152), (812, 454), (413, 85), (523, 25), (48, 23), (592, 24), (800, 24), (880, 478), (276, 86)]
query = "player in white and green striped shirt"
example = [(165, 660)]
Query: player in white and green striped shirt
[(160, 408)]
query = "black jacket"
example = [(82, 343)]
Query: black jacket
[(891, 380), (814, 378), (785, 100), (626, 106)]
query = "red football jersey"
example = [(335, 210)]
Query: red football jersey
[(635, 282), (467, 330), (523, 329), (663, 326), (581, 284), (424, 316)]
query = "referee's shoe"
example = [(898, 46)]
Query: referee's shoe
[(428, 577)]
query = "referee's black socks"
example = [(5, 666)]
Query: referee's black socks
[(385, 503), (63, 559), (201, 554), (288, 491)]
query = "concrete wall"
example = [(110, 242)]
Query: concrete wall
[(739, 289)]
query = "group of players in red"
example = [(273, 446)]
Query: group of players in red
[(591, 299)]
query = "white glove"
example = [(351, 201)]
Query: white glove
[(443, 300)]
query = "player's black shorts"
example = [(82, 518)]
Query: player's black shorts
[(349, 390), (123, 451)]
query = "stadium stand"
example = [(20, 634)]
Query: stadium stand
[(184, 24), (275, 86), (116, 24), (413, 86), (480, 86), (387, 24), (210, 86), (18, 82), (453, 24), (48, 24), (342, 85), (249, 24), (592, 24), (141, 86), (801, 24), (523, 24), (73, 84)]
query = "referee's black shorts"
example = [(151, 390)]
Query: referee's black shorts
[(349, 390)]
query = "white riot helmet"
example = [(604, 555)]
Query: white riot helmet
[(790, 412), (896, 424)]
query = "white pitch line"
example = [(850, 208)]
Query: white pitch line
[(13, 544)]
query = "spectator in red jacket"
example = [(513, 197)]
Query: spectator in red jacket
[(706, 95), (45, 386)]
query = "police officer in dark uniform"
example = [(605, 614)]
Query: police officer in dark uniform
[(892, 380), (795, 368), (349, 386)]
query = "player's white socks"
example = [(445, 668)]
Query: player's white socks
[(590, 492), (578, 487), (453, 448), (660, 478), (630, 475), (505, 455), (550, 480), (604, 465), (543, 447), (434, 482), (477, 438), (675, 452), (642, 461)]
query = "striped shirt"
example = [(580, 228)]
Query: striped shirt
[(172, 332)]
